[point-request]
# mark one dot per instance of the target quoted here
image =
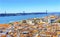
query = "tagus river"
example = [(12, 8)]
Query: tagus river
[(8, 19)]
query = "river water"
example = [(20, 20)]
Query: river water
[(8, 19)]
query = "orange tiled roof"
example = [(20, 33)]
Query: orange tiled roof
[(15, 23), (5, 25)]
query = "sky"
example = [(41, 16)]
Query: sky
[(17, 6)]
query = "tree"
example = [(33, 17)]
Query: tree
[(58, 21)]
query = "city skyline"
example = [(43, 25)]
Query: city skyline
[(17, 6)]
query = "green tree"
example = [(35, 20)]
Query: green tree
[(58, 21)]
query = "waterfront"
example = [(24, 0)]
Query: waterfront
[(29, 18), (47, 25), (8, 19)]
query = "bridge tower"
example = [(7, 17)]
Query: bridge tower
[(46, 11), (5, 11)]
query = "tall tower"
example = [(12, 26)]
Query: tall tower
[(23, 11), (46, 11), (5, 12)]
